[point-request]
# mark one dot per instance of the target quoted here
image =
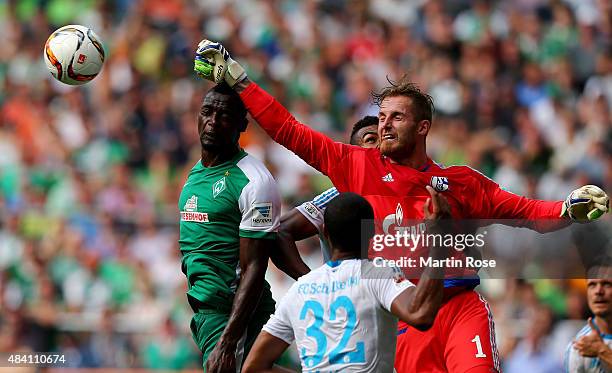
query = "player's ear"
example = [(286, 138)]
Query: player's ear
[(423, 127)]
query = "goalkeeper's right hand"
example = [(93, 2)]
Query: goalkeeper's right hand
[(213, 62)]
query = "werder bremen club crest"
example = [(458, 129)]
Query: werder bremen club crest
[(218, 187)]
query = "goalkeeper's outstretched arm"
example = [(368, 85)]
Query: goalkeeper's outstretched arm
[(214, 63), (584, 204)]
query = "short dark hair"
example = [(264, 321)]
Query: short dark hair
[(224, 89), (422, 103), (343, 222), (366, 121)]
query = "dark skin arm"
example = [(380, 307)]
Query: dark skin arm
[(419, 305), (293, 227), (266, 350), (254, 254)]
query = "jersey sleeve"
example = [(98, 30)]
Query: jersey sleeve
[(279, 324), (313, 147), (386, 284), (572, 361), (314, 210), (497, 203), (260, 207)]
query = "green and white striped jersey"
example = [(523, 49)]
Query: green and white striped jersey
[(219, 205)]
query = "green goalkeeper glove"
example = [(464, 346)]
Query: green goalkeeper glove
[(586, 203), (214, 63)]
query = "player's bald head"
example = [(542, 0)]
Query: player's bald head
[(230, 96)]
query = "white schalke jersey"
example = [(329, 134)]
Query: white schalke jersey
[(339, 317)]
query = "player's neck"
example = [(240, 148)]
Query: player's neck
[(604, 324), (417, 159), (212, 158), (339, 255)]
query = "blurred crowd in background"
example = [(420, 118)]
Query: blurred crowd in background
[(90, 176)]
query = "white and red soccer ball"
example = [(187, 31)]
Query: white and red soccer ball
[(74, 54)]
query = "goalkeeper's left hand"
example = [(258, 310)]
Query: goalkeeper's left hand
[(586, 203), (213, 62)]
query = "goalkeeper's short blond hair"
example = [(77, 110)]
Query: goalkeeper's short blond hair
[(422, 103)]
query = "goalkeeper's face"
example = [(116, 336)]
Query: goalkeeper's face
[(599, 296), (397, 129), (219, 123)]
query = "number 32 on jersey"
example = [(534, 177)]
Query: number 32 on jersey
[(338, 355)]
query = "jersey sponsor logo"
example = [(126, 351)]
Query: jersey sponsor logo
[(191, 204), (312, 210), (399, 215), (388, 178), (393, 223), (200, 217), (191, 211), (439, 183), (218, 187), (394, 219), (262, 215)]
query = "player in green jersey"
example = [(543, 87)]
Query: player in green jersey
[(229, 217)]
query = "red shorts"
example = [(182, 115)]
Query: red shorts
[(461, 338)]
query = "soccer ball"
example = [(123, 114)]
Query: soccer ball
[(74, 54)]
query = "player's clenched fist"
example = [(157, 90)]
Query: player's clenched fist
[(213, 62), (586, 203), (440, 209), (437, 212)]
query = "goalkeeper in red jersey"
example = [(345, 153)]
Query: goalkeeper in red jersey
[(393, 178)]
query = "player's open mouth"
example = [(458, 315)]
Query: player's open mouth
[(388, 138)]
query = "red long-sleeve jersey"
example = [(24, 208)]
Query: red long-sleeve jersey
[(396, 191)]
